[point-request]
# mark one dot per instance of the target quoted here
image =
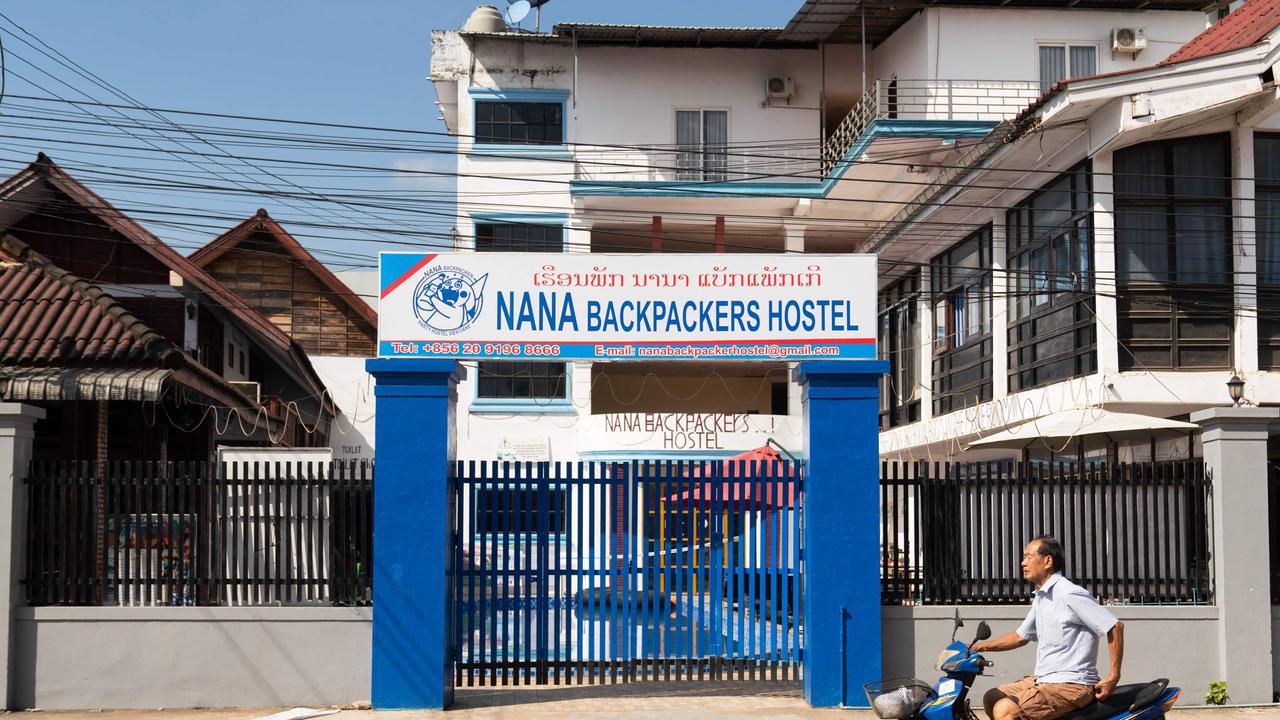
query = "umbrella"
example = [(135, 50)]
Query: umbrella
[(1067, 424), (744, 494)]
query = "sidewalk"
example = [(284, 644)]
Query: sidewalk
[(614, 702)]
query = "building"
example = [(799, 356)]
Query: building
[(135, 352), (273, 273), (919, 134)]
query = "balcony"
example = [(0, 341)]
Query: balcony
[(928, 100), (789, 162)]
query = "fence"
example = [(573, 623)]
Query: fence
[(1133, 533), (187, 534), (788, 162), (576, 573)]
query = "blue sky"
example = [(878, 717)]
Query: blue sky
[(346, 61)]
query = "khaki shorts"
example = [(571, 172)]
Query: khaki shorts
[(1046, 701)]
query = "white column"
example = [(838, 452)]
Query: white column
[(794, 243), (577, 240), (17, 430), (1235, 452), (925, 343), (999, 309), (1244, 251), (1104, 264)]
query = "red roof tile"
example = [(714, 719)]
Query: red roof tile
[(1244, 27)]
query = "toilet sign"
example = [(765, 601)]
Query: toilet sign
[(627, 307)]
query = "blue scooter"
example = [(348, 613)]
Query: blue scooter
[(948, 699)]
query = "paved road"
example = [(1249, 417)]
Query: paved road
[(612, 702)]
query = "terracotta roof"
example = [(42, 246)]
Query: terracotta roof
[(273, 339), (1244, 27), (262, 222), (50, 318)]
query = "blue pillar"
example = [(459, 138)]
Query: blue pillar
[(841, 529), (415, 442)]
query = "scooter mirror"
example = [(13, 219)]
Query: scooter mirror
[(957, 623), (984, 631)]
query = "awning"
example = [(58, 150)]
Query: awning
[(1056, 428), (51, 383)]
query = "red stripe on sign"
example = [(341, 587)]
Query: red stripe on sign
[(421, 263)]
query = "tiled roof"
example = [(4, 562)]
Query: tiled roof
[(1244, 27), (50, 317)]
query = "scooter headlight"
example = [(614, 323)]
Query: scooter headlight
[(943, 657)]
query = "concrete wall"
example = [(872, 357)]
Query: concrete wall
[(1179, 643), (73, 657)]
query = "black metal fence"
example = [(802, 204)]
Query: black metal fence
[(1133, 533), (180, 534)]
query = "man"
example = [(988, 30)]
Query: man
[(1066, 622)]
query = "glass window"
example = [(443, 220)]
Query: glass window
[(702, 139), (962, 291), (1062, 61), (1266, 150), (514, 237), (899, 339), (515, 510), (519, 123)]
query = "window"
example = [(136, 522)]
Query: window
[(519, 123), (512, 237), (1266, 212), (1060, 61), (1052, 334), (513, 380), (702, 138), (508, 380), (899, 338), (961, 299), (511, 510), (1173, 254)]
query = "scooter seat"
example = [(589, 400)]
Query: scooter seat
[(1122, 701)]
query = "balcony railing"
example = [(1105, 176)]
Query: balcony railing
[(790, 162), (901, 99)]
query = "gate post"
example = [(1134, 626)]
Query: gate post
[(17, 431), (841, 529), (1235, 451), (413, 452)]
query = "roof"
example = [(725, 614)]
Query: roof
[(272, 339), (1244, 27), (841, 21), (51, 319), (654, 36), (262, 222)]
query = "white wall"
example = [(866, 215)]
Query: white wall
[(630, 95), (981, 44), (904, 54), (351, 434)]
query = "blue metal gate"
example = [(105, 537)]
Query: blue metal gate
[(574, 573)]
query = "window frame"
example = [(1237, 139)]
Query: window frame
[(898, 315), (1145, 303), (1066, 46), (1268, 293), (1032, 323), (702, 173), (952, 360), (540, 150)]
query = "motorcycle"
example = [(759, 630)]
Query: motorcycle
[(948, 699)]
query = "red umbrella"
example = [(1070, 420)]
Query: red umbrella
[(763, 464)]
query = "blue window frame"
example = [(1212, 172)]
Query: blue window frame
[(518, 121)]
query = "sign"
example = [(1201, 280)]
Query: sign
[(627, 307), (525, 448), (688, 431)]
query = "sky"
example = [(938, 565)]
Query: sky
[(343, 61)]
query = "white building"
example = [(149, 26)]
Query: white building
[(940, 138)]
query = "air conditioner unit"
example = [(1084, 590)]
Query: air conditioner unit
[(1131, 40), (251, 390), (780, 88)]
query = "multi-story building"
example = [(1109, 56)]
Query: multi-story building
[(1062, 199)]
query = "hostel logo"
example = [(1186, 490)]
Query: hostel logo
[(448, 299)]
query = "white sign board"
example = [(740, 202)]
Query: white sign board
[(627, 307)]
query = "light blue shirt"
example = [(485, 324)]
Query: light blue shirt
[(1065, 622)]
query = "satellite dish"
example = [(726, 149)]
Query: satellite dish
[(518, 11), (538, 3)]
